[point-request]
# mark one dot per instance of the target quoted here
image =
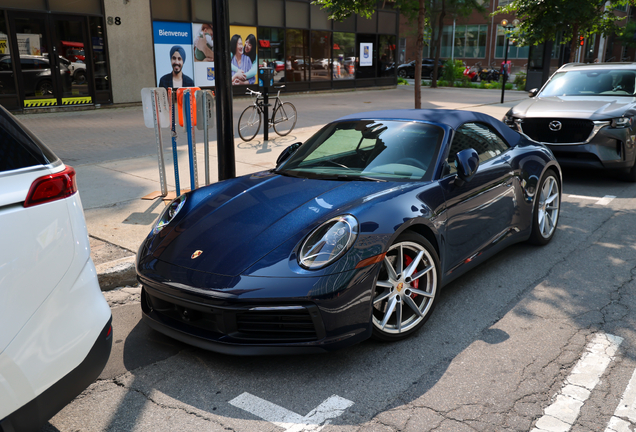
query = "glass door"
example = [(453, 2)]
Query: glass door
[(70, 39), (53, 68), (35, 63)]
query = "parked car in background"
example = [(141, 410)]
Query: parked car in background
[(352, 235), (55, 325), (407, 70), (279, 66), (586, 115), (36, 74)]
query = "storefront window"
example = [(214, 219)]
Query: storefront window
[(271, 50), (513, 51), (297, 58), (386, 65), (7, 81), (344, 55), (320, 55)]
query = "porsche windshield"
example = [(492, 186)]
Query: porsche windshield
[(591, 83), (383, 150)]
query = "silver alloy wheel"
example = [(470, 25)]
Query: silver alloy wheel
[(548, 209), (404, 294)]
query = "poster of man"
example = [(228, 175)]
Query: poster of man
[(243, 51), (173, 54), (203, 54)]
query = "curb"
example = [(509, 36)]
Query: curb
[(117, 273)]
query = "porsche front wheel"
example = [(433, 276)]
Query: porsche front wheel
[(546, 209), (406, 288)]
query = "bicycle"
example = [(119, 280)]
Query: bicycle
[(282, 120)]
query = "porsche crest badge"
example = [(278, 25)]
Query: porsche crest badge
[(196, 254)]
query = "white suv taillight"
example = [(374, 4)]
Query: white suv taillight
[(52, 187)]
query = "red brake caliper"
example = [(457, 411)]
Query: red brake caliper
[(416, 283)]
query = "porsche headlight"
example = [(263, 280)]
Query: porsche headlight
[(328, 242), (169, 213), (622, 122)]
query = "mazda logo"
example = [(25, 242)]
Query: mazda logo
[(555, 126)]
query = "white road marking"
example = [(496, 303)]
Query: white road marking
[(625, 415), (599, 201), (289, 420), (563, 412)]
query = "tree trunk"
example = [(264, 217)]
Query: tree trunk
[(438, 43), (574, 43), (419, 48)]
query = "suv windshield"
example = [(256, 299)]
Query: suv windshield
[(591, 83), (368, 150)]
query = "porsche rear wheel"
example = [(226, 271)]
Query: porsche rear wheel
[(546, 209), (406, 288)]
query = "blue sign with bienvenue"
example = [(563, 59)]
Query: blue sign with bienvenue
[(172, 33)]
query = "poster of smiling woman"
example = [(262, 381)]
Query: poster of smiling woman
[(243, 51), (173, 54)]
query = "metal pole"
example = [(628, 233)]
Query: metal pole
[(224, 120), (505, 69), (172, 98), (453, 44), (194, 181), (162, 164), (266, 113), (206, 140)]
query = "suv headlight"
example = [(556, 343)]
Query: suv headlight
[(622, 122), (328, 242), (169, 213), (508, 119)]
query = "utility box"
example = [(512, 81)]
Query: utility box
[(266, 77)]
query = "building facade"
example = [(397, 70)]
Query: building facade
[(480, 38), (63, 52)]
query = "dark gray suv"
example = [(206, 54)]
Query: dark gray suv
[(586, 115)]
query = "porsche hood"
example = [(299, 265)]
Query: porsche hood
[(578, 107), (226, 229)]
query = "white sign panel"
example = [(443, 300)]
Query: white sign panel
[(366, 54), (147, 95)]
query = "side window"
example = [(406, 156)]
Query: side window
[(478, 136)]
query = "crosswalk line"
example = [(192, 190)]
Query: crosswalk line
[(563, 412), (625, 415)]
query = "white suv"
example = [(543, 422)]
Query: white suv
[(55, 326)]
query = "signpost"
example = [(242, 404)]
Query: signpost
[(205, 114)]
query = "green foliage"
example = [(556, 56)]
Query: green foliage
[(627, 38), (453, 71), (342, 9), (541, 20), (402, 81), (520, 80)]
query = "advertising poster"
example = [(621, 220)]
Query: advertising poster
[(203, 54), (29, 44), (366, 54), (173, 54), (243, 51)]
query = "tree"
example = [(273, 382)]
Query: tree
[(341, 9), (541, 20)]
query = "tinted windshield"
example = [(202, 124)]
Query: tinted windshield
[(367, 150), (591, 83)]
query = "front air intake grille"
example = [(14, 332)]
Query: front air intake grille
[(290, 325), (571, 131)]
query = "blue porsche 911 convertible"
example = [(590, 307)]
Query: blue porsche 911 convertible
[(351, 236)]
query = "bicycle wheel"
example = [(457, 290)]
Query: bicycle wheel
[(249, 123), (284, 118)]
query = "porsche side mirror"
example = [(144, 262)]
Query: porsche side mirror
[(288, 152), (533, 92), (466, 162)]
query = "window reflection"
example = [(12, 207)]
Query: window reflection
[(297, 61), (271, 51), (386, 64), (7, 78), (344, 55), (321, 55)]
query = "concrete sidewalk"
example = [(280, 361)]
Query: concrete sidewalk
[(118, 219)]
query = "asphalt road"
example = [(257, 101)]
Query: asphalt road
[(536, 337)]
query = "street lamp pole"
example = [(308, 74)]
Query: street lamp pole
[(508, 26)]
